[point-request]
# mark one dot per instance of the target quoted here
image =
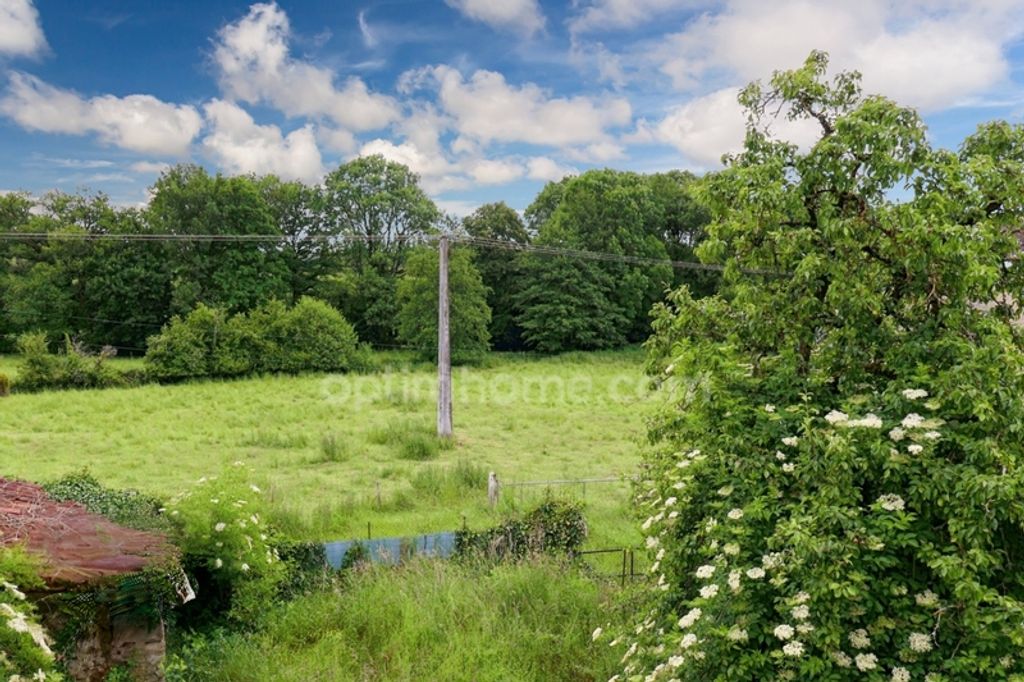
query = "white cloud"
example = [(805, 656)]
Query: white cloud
[(521, 16), (547, 169), (707, 127), (603, 15), (487, 109), (240, 145), (437, 174), (496, 171), (20, 32), (460, 208), (599, 152), (369, 39), (255, 65), (925, 54), (149, 167), (141, 123)]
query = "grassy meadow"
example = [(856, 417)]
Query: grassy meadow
[(324, 445)]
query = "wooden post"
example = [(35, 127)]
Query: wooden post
[(493, 489), (444, 354)]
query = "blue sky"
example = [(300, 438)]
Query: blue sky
[(485, 99)]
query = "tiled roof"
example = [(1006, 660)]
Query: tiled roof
[(76, 546)]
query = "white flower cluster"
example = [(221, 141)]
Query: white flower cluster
[(927, 599), (900, 674), (914, 393), (865, 662), (784, 632), (735, 514), (691, 617), (19, 622), (920, 643), (793, 648), (891, 502), (705, 571), (791, 441), (859, 639)]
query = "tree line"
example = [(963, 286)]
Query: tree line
[(355, 242)]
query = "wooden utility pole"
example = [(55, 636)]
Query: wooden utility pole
[(444, 351)]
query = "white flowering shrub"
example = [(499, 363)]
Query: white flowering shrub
[(25, 647), (227, 545), (833, 488)]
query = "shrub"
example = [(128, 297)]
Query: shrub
[(553, 527), (206, 342), (228, 547), (24, 645), (311, 336), (74, 368), (833, 485), (5, 385)]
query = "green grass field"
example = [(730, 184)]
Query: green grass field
[(325, 444)]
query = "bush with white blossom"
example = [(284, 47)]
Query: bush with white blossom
[(851, 428), (227, 543), (25, 647)]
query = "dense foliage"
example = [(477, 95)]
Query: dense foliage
[(228, 548), (73, 368), (208, 342), (468, 313), (554, 527), (347, 242), (125, 507), (25, 652), (833, 489)]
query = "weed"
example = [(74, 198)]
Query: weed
[(275, 440), (333, 449)]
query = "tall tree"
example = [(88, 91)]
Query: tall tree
[(612, 212), (468, 312), (833, 487), (232, 275), (499, 268), (381, 202)]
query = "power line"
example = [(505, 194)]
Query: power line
[(419, 238)]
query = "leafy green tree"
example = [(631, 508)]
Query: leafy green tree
[(379, 200), (683, 222), (611, 212), (469, 315), (566, 305), (499, 268), (232, 275), (833, 486), (381, 203), (297, 211)]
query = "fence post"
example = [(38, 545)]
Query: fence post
[(493, 489)]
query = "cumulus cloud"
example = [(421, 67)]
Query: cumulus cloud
[(926, 54), (708, 127), (547, 169), (520, 16), (255, 65), (240, 145), (437, 174), (496, 171), (488, 109), (140, 123), (20, 32)]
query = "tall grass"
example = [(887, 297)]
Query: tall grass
[(426, 621)]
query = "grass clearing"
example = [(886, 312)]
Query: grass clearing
[(425, 621), (323, 445)]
